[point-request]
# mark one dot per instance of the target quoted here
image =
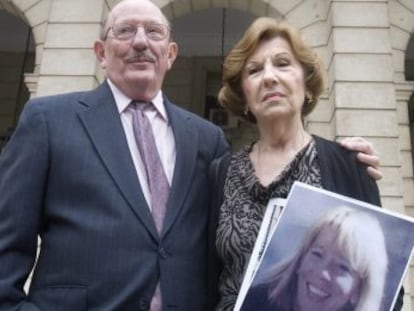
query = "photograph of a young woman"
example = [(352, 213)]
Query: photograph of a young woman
[(333, 269)]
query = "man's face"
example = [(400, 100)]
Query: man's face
[(137, 66)]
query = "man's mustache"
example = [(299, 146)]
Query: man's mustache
[(141, 56)]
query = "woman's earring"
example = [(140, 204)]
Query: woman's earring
[(308, 98)]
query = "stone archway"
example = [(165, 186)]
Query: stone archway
[(409, 60), (17, 57), (36, 15)]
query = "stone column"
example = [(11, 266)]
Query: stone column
[(68, 62), (361, 81), (404, 92), (361, 76)]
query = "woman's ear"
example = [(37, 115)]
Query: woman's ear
[(308, 97)]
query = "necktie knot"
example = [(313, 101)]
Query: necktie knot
[(140, 106)]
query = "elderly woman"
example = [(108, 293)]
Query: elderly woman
[(273, 79), (333, 270)]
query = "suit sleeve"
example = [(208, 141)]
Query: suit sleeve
[(343, 173), (369, 187), (222, 146), (217, 174), (23, 175)]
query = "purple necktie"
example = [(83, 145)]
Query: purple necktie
[(156, 178), (154, 171)]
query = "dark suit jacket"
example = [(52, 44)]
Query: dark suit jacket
[(67, 175)]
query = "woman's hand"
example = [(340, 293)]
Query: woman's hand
[(366, 154)]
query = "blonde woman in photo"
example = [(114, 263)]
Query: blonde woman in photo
[(341, 265)]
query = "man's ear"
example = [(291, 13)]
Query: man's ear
[(99, 49), (172, 53)]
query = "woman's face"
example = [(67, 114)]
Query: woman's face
[(273, 81), (326, 280)]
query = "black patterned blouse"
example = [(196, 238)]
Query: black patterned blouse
[(243, 208)]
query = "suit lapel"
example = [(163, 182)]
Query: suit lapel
[(102, 122), (186, 153)]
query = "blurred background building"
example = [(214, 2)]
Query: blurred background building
[(367, 47)]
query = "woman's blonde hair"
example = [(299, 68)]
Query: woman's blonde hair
[(360, 237), (262, 29)]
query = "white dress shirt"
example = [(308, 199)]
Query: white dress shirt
[(163, 135)]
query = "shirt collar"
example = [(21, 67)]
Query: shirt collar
[(122, 101)]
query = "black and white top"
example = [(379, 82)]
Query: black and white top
[(241, 213)]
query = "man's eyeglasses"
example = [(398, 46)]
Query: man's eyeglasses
[(153, 31)]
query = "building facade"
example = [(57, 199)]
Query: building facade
[(367, 47)]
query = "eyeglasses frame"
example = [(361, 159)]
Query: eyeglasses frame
[(143, 25)]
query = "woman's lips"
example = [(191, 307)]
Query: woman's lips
[(273, 95), (316, 292)]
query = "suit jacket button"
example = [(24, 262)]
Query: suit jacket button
[(143, 304), (163, 253)]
